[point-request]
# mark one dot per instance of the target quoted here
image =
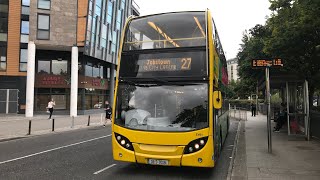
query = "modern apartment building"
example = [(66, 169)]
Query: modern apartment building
[(232, 65), (61, 49)]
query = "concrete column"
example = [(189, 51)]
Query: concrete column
[(30, 79), (74, 83), (111, 94)]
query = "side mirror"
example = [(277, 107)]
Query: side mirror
[(217, 100)]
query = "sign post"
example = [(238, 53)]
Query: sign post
[(269, 110), (267, 64)]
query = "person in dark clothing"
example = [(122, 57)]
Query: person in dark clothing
[(108, 113), (253, 109), (282, 118)]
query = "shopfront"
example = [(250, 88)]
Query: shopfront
[(53, 81)]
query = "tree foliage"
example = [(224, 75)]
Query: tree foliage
[(292, 32)]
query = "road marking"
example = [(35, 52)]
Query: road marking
[(54, 149), (108, 167)]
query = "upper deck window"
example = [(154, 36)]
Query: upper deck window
[(174, 30)]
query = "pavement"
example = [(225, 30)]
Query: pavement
[(17, 126), (87, 154), (292, 157)]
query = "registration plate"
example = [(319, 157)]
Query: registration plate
[(158, 162)]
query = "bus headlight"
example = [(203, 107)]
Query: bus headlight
[(123, 141), (195, 145)]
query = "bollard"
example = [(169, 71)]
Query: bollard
[(29, 131), (52, 124), (88, 121), (72, 122), (101, 122)]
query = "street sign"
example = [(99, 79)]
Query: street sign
[(267, 64), (256, 63)]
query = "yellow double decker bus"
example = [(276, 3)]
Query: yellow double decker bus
[(168, 106)]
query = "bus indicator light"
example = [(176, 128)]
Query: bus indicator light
[(202, 142), (196, 146), (190, 149), (123, 142)]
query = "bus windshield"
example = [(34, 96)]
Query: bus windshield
[(162, 107), (174, 30)]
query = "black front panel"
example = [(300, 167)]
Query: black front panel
[(168, 64)]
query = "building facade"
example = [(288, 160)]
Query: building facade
[(60, 49), (232, 65)]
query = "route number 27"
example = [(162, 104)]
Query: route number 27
[(186, 63)]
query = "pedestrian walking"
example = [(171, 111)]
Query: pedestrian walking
[(253, 109), (108, 113), (50, 106)]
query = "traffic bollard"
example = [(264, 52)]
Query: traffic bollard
[(88, 121), (29, 130), (52, 124)]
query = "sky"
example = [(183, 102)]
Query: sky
[(232, 17)]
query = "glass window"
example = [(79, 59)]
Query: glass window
[(98, 3), (3, 66), (110, 12), (23, 55), (44, 4), (162, 107), (3, 36), (24, 27), (23, 59), (44, 67), (3, 24), (24, 38), (25, 2), (119, 19), (43, 34), (4, 8), (173, 30), (59, 67), (23, 67), (104, 43), (3, 59), (123, 2), (88, 70), (98, 11), (89, 23), (25, 10), (43, 27), (96, 71), (43, 21)]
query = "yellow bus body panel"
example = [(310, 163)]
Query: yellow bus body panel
[(168, 146)]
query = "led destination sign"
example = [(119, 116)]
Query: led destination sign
[(172, 64), (267, 62)]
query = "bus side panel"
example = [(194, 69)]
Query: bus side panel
[(120, 153), (206, 154), (224, 126)]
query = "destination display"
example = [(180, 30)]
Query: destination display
[(267, 62), (166, 64), (170, 64)]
